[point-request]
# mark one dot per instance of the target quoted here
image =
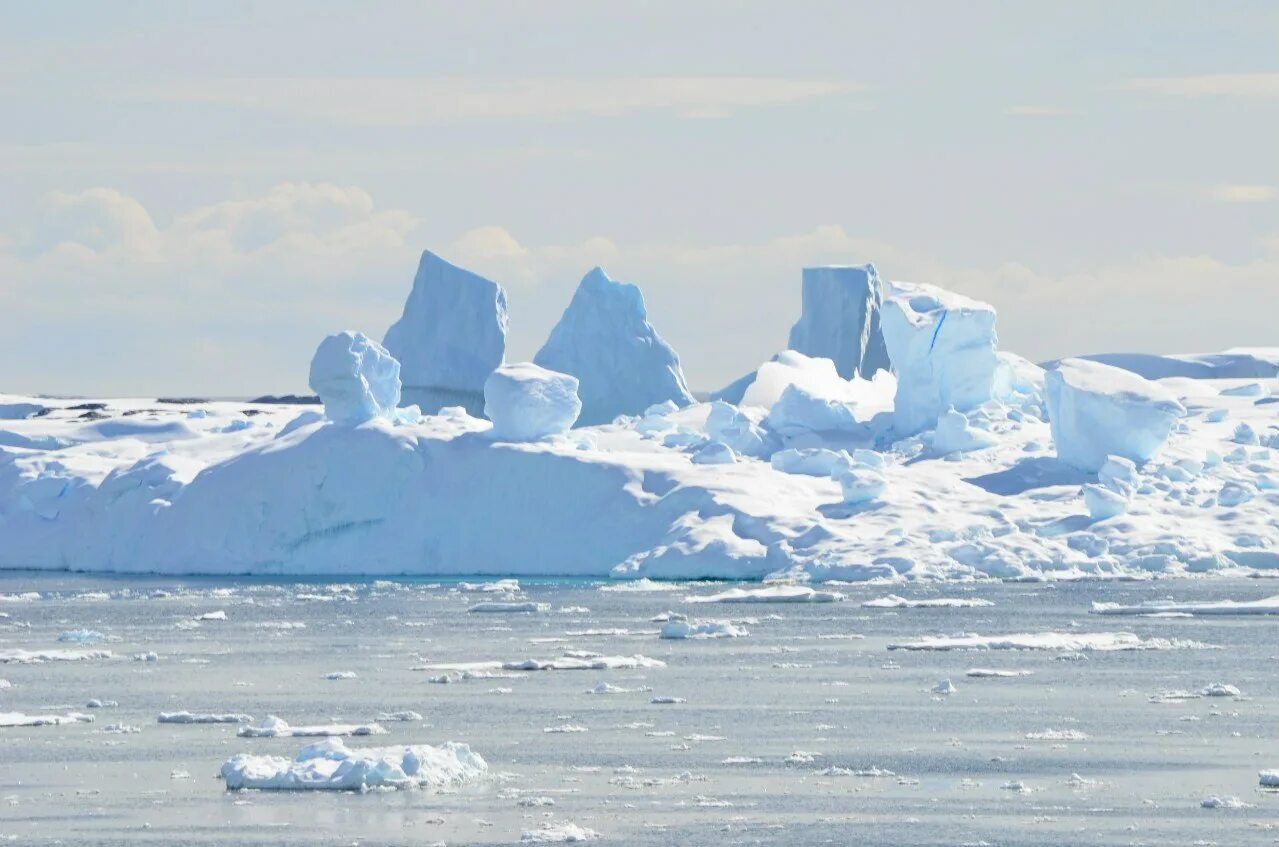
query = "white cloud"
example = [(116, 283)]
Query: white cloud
[(1244, 193), (1210, 85), (399, 102), (231, 298)]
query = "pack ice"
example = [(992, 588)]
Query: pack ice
[(605, 340), (966, 462)]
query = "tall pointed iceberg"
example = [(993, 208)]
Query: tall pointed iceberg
[(451, 336), (605, 340), (840, 319)]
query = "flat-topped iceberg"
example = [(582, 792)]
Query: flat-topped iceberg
[(605, 340), (450, 337), (840, 319), (1097, 411)]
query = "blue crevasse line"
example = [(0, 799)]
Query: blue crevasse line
[(933, 343)]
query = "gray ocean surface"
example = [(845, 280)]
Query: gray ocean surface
[(744, 759)]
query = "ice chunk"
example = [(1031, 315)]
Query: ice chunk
[(273, 727), (942, 347), (1118, 474), (714, 453), (1097, 410), (819, 378), (679, 629), (605, 340), (16, 719), (892, 601), (356, 378), (769, 594), (954, 435), (798, 411), (862, 485), (527, 402), (1103, 502), (736, 429), (451, 336), (516, 606), (185, 717), (331, 765), (816, 461), (1265, 606), (840, 319), (1074, 642)]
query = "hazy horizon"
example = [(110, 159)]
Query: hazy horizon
[(192, 198)]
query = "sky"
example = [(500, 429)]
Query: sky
[(193, 195)]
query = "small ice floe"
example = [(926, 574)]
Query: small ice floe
[(81, 636), (644, 584), (398, 717), (145, 657), (1265, 606), (535, 802), (557, 833), (331, 765), (95, 703), (1067, 641), (768, 594), (219, 615), (499, 607), (573, 660), (742, 760), (677, 629), (273, 727), (1173, 695), (341, 675), (1269, 779), (1077, 781), (663, 701), (12, 719), (4, 683), (203, 717), (1016, 785), (606, 688), (1057, 735), (35, 657), (801, 757), (892, 601), (1215, 802), (944, 687), (993, 673), (497, 586), (1220, 689), (120, 729)]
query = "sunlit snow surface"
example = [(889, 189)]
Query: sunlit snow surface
[(807, 732)]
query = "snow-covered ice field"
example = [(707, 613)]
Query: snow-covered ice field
[(805, 730)]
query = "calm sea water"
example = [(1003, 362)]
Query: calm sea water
[(720, 768)]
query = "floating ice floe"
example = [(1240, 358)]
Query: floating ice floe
[(557, 833), (15, 719), (994, 673), (571, 661), (1065, 641), (203, 717), (892, 601), (331, 765), (1228, 802), (273, 727), (400, 717), (1265, 606), (1057, 735), (34, 657), (677, 629), (768, 594), (336, 675), (511, 607)]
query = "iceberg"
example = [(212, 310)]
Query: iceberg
[(605, 340), (942, 348), (528, 403), (356, 378), (1097, 410), (840, 319), (450, 337)]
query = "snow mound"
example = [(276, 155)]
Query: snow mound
[(799, 411), (954, 435), (331, 765), (840, 319), (451, 336), (356, 378), (528, 403), (605, 340), (813, 461), (1096, 410), (942, 347)]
